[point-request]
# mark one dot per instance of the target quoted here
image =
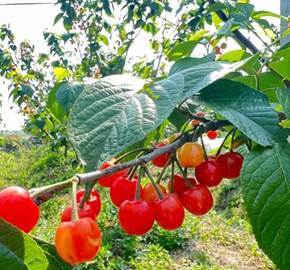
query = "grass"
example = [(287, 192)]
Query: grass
[(221, 240)]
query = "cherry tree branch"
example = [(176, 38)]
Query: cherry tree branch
[(239, 36), (42, 194)]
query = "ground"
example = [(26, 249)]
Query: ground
[(221, 240)]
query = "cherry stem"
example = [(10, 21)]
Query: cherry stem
[(130, 153), (163, 170), (188, 183), (172, 176), (132, 172), (221, 146), (138, 189), (180, 168), (203, 147), (233, 137), (160, 195), (75, 215)]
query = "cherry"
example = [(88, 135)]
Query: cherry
[(18, 208), (149, 193), (197, 200), (86, 211), (209, 173), (200, 114), (218, 50), (212, 134), (224, 45), (169, 212), (231, 163), (136, 217), (190, 155), (94, 200), (179, 184), (78, 241), (123, 189), (106, 181), (161, 160)]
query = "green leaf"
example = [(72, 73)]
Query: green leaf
[(189, 62), (246, 108), (55, 108), (54, 261), (266, 181), (67, 93), (19, 251), (181, 50), (234, 56), (177, 118), (113, 113), (269, 82), (265, 13), (104, 39), (250, 80), (60, 73), (283, 96), (281, 63)]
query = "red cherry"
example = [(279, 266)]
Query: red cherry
[(200, 114), (161, 160), (218, 50), (197, 200), (212, 134), (94, 200), (18, 208), (106, 181), (86, 211), (169, 212), (231, 163), (79, 241), (179, 184), (209, 173), (123, 189), (149, 193), (136, 217)]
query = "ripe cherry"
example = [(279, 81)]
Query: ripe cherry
[(86, 211), (136, 217), (231, 163), (106, 181), (78, 241), (190, 155), (123, 189), (218, 50), (94, 200), (212, 134), (149, 193), (179, 184), (197, 200), (200, 114), (18, 208), (161, 160), (169, 212), (209, 173)]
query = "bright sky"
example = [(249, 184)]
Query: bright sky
[(28, 22)]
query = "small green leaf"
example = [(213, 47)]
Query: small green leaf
[(61, 73), (266, 181), (181, 50), (55, 108), (18, 251), (234, 56), (283, 96), (281, 63)]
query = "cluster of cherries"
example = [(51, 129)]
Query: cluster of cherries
[(78, 239), (137, 214)]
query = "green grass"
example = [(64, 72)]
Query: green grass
[(221, 240)]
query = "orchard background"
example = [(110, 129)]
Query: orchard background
[(88, 100)]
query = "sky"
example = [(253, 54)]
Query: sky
[(29, 22)]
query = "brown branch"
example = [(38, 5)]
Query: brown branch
[(44, 193), (238, 35)]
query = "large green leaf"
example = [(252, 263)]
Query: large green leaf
[(19, 251), (112, 113), (266, 190), (182, 49), (246, 108)]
